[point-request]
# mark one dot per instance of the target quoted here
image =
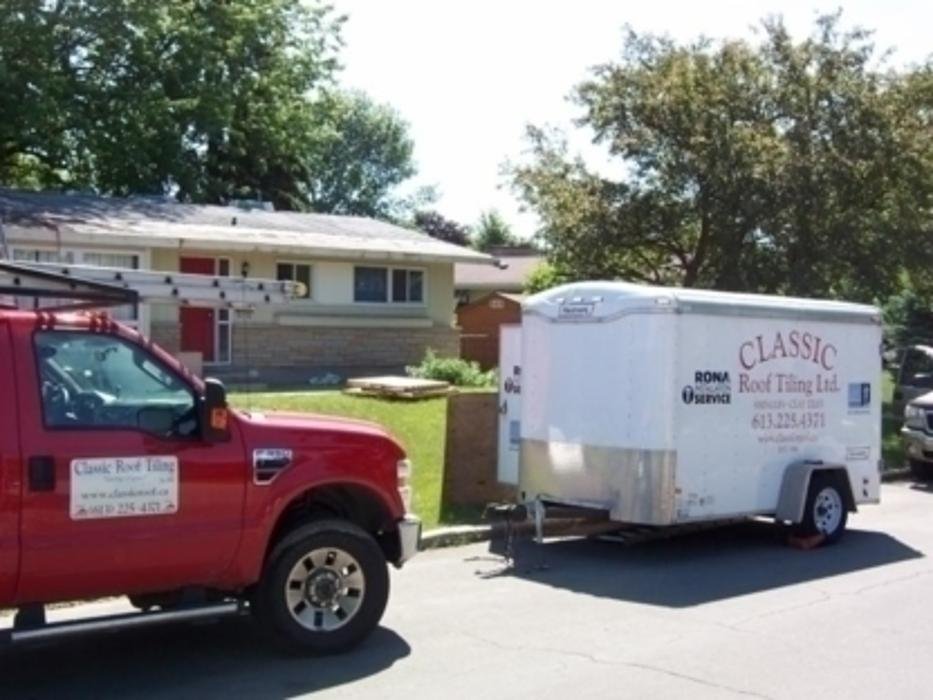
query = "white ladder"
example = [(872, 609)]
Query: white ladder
[(152, 286)]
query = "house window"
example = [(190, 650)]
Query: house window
[(295, 272), (130, 261), (408, 286), (372, 284), (127, 314), (42, 256)]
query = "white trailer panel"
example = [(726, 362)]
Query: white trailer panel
[(670, 405)]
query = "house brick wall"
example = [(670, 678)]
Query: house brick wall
[(272, 345), (321, 346), (472, 453)]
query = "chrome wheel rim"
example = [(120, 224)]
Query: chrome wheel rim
[(827, 510), (325, 589)]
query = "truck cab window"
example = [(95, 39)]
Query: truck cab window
[(89, 380), (918, 369)]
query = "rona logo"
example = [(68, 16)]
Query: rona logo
[(709, 387)]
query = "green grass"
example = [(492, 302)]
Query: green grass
[(421, 427), (892, 447)]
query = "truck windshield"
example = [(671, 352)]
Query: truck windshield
[(90, 379)]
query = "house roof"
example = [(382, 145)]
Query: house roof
[(510, 278), (53, 218)]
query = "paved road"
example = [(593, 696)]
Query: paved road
[(721, 614)]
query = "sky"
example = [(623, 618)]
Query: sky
[(468, 76)]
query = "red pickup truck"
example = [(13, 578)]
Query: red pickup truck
[(121, 473)]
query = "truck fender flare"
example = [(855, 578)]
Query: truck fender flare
[(796, 484)]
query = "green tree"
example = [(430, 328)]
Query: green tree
[(438, 226), (779, 167), (491, 231), (544, 276), (361, 151), (210, 101)]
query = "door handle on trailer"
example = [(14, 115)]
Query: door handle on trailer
[(41, 473)]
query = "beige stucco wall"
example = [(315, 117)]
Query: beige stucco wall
[(331, 292), (330, 329)]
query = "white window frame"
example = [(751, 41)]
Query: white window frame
[(218, 321), (390, 301), (77, 253), (293, 263)]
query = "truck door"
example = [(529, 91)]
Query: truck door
[(121, 494), (10, 469)]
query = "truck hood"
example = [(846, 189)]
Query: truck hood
[(924, 400), (287, 421)]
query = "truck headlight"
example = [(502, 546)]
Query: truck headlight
[(403, 473), (915, 417)]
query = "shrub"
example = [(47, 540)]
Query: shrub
[(452, 369)]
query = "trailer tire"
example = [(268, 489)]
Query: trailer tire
[(825, 512), (324, 588), (920, 470)]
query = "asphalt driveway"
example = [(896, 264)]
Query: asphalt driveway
[(731, 612)]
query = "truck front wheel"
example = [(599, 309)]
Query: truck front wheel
[(825, 512), (324, 588)]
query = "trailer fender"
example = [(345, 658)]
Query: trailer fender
[(796, 483)]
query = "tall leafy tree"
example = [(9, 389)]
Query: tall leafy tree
[(438, 226), (492, 230), (361, 151), (791, 167), (207, 100)]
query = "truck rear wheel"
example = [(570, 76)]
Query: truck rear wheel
[(920, 470), (324, 589), (825, 512)]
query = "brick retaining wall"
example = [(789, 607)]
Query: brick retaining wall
[(472, 452)]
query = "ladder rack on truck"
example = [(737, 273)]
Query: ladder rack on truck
[(89, 286)]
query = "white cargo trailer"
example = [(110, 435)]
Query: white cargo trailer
[(662, 406)]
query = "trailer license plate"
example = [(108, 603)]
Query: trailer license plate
[(122, 487)]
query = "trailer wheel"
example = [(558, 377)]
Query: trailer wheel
[(324, 589), (825, 512)]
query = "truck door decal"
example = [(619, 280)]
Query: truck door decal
[(121, 487)]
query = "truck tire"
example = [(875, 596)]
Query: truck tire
[(825, 512), (324, 588), (920, 470)]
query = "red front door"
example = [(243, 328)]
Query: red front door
[(197, 325)]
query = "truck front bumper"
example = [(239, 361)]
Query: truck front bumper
[(409, 536), (918, 444)]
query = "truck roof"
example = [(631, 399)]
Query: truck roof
[(604, 300)]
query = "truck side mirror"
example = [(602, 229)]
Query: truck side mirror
[(214, 416)]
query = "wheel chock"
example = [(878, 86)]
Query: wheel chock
[(806, 542)]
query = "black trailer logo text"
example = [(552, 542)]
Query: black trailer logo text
[(708, 387)]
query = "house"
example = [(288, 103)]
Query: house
[(378, 295), (480, 322), (472, 280)]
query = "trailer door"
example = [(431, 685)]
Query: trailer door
[(9, 469), (510, 402)]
